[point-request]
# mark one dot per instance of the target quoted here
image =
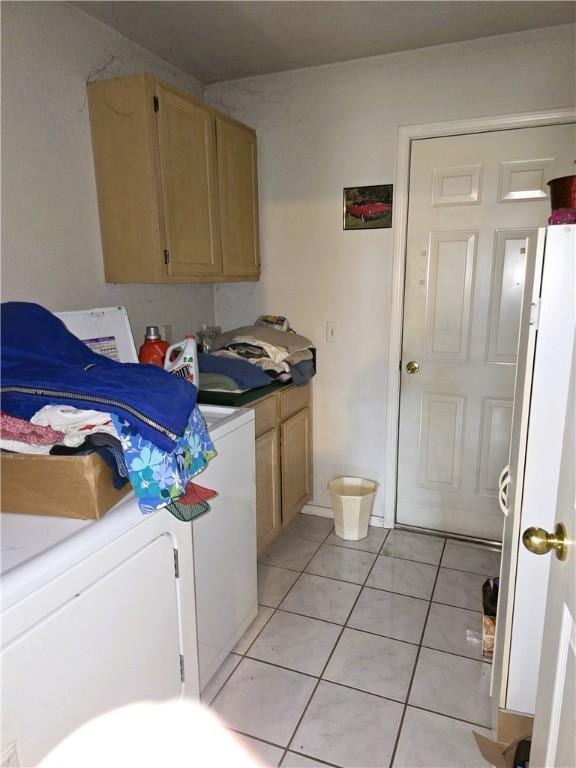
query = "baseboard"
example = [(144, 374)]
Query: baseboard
[(315, 509)]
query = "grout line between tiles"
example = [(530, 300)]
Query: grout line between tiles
[(301, 718), (316, 759), (409, 690)]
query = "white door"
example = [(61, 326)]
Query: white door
[(476, 202), (553, 743), (540, 407)]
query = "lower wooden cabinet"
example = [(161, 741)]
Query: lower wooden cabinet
[(296, 461), (268, 499), (283, 459)]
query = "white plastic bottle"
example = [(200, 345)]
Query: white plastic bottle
[(185, 362)]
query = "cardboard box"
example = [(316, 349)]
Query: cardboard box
[(489, 603), (61, 486), (512, 729), (488, 633)]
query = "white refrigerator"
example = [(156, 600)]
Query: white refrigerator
[(529, 484)]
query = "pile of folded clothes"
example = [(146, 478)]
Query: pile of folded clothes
[(257, 355), (60, 397)]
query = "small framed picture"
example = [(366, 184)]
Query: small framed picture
[(368, 207)]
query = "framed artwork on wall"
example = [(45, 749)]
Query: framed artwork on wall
[(368, 207)]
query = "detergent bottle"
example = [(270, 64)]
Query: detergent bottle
[(154, 349), (182, 360)]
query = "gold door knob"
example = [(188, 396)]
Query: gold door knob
[(412, 366), (540, 542)]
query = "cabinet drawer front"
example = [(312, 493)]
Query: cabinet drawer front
[(265, 414), (296, 461), (293, 401)]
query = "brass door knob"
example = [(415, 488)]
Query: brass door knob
[(412, 367), (540, 542)]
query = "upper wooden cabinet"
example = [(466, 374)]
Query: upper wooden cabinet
[(177, 185)]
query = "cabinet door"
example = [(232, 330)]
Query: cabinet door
[(238, 194), (187, 154), (296, 464), (268, 520)]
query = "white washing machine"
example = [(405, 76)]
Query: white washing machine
[(97, 614)]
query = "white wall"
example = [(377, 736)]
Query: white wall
[(51, 249), (325, 128)]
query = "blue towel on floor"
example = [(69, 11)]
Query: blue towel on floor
[(246, 375)]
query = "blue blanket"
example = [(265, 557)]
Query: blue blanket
[(42, 363)]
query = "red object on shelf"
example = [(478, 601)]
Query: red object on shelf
[(153, 351), (563, 192)]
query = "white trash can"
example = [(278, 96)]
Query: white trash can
[(352, 500)]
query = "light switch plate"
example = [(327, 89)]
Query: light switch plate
[(331, 331)]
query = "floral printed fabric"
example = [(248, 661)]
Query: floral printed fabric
[(159, 477)]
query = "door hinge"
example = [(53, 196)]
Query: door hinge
[(182, 675), (156, 104), (535, 313), (176, 565), (166, 256)]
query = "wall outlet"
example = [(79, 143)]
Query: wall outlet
[(331, 331)]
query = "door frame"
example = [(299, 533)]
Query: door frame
[(406, 135)]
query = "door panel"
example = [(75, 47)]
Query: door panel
[(510, 253), (494, 438), (441, 441), (450, 277), (268, 510), (296, 464), (238, 190), (186, 137), (475, 204)]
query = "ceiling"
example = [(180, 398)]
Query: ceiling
[(220, 40)]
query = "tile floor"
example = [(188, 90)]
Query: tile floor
[(363, 653)]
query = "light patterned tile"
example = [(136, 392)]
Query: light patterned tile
[(384, 613), (434, 741), (406, 577), (297, 642), (413, 546), (451, 685), (471, 557), (253, 630), (371, 543), (264, 701), (374, 664), (321, 598), (340, 563), (311, 527), (348, 728), (273, 584), (464, 590), (455, 630), (268, 755), (290, 552), (219, 678)]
